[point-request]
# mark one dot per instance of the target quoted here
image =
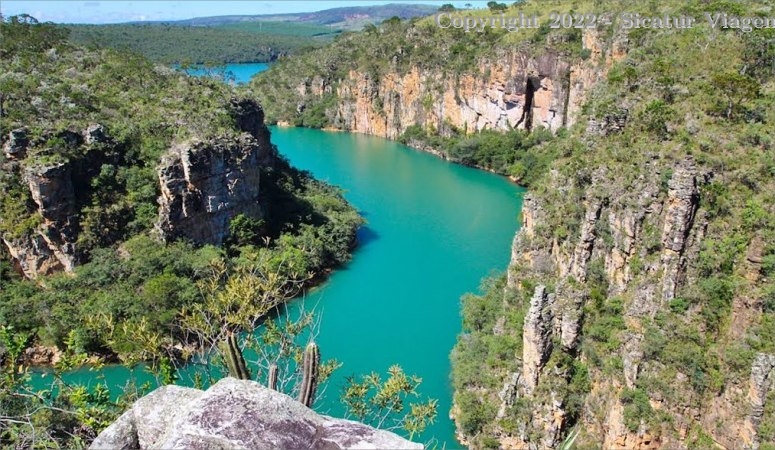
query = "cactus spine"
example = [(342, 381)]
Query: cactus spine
[(235, 362), (310, 370), (272, 382)]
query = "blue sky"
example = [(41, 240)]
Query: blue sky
[(112, 11)]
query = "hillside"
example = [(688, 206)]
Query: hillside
[(345, 18), (129, 191), (638, 309)]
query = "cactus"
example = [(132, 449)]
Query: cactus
[(310, 369), (272, 381), (235, 362)]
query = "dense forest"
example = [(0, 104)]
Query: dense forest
[(351, 18), (178, 44), (638, 310)]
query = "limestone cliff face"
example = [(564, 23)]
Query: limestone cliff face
[(205, 184), (236, 414), (509, 89), (639, 244)]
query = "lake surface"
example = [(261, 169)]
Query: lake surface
[(239, 73), (434, 230)]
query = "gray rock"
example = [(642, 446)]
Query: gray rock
[(508, 394), (236, 414), (206, 184), (683, 199), (761, 383), (537, 337), (51, 247), (570, 302), (16, 147), (95, 134)]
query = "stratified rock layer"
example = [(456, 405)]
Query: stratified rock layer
[(236, 414)]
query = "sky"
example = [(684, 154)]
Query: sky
[(113, 11)]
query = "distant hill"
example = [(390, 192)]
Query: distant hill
[(234, 39), (345, 18)]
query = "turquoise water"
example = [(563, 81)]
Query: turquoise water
[(434, 230), (239, 73)]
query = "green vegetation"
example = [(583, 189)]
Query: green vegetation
[(178, 44), (132, 299), (347, 17), (308, 226), (700, 93), (236, 39), (382, 404), (517, 153), (396, 47), (481, 357)]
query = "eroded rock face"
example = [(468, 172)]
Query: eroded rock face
[(509, 89), (761, 384), (206, 184), (51, 246), (683, 199), (537, 337), (236, 414), (643, 236)]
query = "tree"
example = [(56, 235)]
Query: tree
[(382, 404), (62, 416), (735, 88), (235, 301), (497, 7), (447, 7)]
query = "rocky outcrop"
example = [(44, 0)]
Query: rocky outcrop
[(51, 246), (235, 414), (510, 90), (633, 246), (54, 189), (16, 146), (537, 337), (681, 206), (206, 184), (762, 383)]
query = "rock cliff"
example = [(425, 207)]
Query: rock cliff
[(509, 88), (49, 245), (235, 414), (632, 261), (203, 183)]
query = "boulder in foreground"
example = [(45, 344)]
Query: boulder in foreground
[(236, 414)]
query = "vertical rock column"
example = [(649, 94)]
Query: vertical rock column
[(537, 337)]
